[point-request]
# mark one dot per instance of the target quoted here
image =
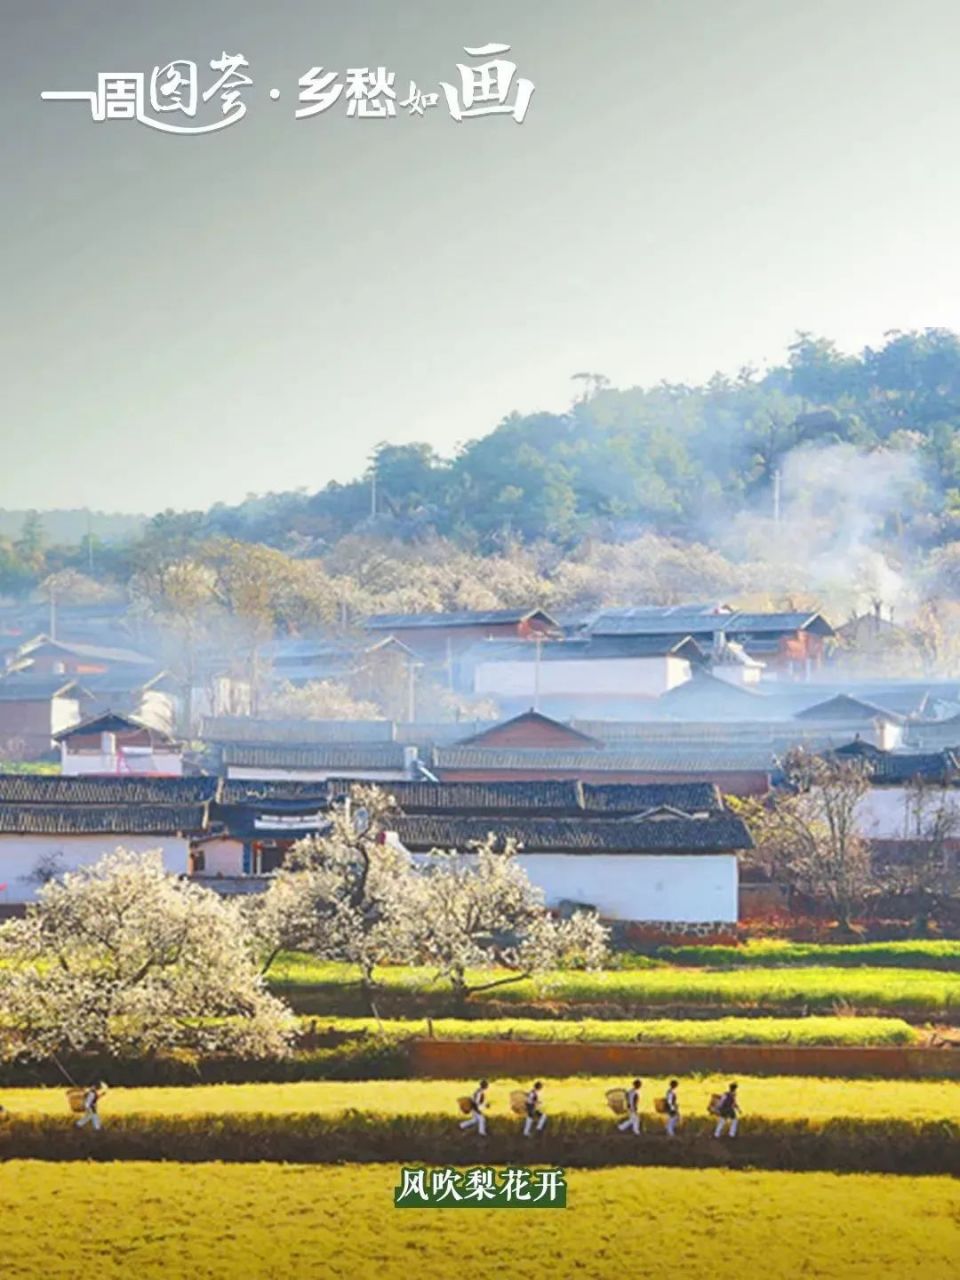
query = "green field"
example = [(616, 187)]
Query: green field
[(271, 1222), (713, 1031), (927, 954), (924, 992), (779, 1097)]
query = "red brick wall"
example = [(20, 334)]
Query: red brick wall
[(126, 738), (25, 728), (763, 900), (517, 1059), (533, 733)]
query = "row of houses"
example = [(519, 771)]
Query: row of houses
[(641, 834), (661, 856), (613, 663)]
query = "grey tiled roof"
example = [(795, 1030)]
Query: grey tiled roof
[(719, 834), (255, 791), (114, 820), (376, 755), (680, 621), (26, 687), (463, 618), (663, 757), (301, 733), (22, 788), (620, 797), (94, 652)]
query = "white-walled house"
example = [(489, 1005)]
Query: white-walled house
[(51, 824), (668, 868), (581, 672), (40, 842), (118, 744)]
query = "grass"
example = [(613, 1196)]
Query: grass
[(777, 1097), (217, 1222), (925, 992), (716, 1031), (926, 954)]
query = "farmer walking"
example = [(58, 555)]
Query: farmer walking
[(478, 1100), (672, 1109), (728, 1112), (90, 1099), (632, 1120), (534, 1112)]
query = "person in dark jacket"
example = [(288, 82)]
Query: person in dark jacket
[(728, 1113), (534, 1113), (672, 1108), (632, 1120)]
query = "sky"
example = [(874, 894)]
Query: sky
[(187, 320)]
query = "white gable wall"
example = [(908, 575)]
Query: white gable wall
[(631, 677), (676, 888), (22, 855), (128, 761), (665, 888)]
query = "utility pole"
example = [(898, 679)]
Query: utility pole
[(411, 691), (538, 641), (776, 496), (53, 613)]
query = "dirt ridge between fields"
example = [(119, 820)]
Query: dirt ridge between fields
[(458, 1059), (841, 1145)]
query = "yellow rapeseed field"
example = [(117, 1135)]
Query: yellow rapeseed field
[(274, 1222), (788, 1097)]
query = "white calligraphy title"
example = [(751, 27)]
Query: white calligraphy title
[(179, 98)]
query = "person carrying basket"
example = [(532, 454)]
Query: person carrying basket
[(88, 1099), (632, 1119), (728, 1112), (670, 1107), (475, 1105), (533, 1113)]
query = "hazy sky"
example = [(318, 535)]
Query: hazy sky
[(187, 320)]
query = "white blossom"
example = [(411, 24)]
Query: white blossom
[(122, 957)]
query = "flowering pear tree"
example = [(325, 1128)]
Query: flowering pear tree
[(122, 957), (347, 895), (480, 910)]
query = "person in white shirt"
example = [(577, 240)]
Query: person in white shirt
[(534, 1114), (728, 1112), (673, 1109), (478, 1100), (632, 1120), (90, 1099)]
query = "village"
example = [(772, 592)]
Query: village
[(628, 750)]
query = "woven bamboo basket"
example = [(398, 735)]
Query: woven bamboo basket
[(465, 1105), (518, 1102), (617, 1101), (660, 1106), (75, 1099), (713, 1106)]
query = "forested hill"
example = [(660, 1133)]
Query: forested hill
[(832, 480), (681, 460)]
